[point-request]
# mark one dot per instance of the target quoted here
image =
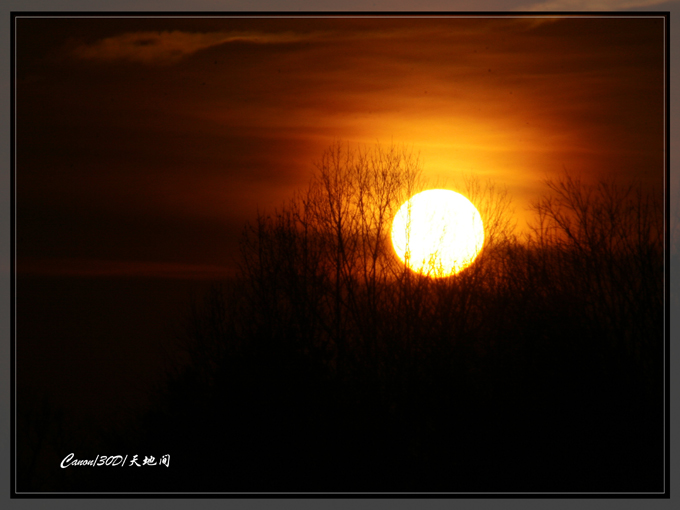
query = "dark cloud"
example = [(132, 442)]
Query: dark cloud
[(589, 5), (108, 268), (170, 46)]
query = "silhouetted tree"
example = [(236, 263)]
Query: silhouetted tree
[(526, 371), (600, 248)]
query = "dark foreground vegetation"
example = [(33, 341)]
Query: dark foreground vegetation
[(328, 366)]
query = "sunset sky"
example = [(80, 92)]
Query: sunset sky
[(144, 145)]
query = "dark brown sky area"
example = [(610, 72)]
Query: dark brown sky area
[(144, 145)]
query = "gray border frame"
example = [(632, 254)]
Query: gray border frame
[(292, 6)]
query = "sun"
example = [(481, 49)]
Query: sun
[(437, 233)]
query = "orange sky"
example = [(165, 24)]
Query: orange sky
[(152, 141)]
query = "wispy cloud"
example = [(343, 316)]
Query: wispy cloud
[(590, 5), (110, 268), (169, 47)]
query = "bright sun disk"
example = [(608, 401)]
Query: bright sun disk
[(437, 233)]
